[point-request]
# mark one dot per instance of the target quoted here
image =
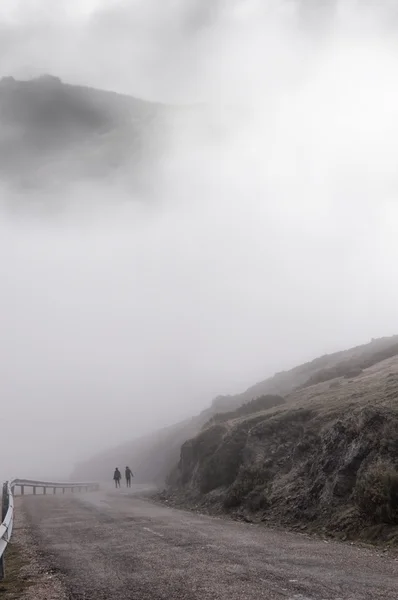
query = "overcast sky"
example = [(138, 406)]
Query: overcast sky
[(268, 245)]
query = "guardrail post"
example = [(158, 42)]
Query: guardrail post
[(34, 490), (4, 508), (2, 568), (44, 491), (63, 490), (54, 490), (4, 502), (22, 490)]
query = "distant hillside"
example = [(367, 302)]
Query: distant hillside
[(52, 133), (149, 457), (155, 456)]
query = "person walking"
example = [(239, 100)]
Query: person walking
[(128, 474), (117, 477)]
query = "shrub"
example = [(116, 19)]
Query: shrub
[(233, 497), (376, 493), (353, 372), (334, 385), (351, 367), (257, 499), (249, 479), (261, 403)]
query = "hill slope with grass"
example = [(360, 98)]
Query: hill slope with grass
[(324, 460)]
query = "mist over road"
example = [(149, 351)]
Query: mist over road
[(115, 545)]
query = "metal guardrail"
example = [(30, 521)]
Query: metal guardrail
[(7, 505), (54, 485), (7, 523)]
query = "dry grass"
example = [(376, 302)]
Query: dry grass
[(14, 583), (254, 406), (327, 458), (376, 493)]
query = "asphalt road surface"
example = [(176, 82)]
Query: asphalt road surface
[(112, 545)]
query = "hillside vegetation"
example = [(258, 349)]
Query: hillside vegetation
[(326, 459)]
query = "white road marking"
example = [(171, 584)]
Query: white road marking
[(301, 597), (154, 532)]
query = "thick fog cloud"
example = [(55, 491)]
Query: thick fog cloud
[(270, 237)]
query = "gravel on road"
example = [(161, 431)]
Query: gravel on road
[(113, 545)]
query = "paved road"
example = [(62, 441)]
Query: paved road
[(111, 545)]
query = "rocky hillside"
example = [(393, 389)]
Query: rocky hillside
[(154, 457), (326, 459)]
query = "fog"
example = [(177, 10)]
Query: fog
[(263, 241)]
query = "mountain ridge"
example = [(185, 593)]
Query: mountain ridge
[(55, 133)]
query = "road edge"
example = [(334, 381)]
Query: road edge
[(27, 574)]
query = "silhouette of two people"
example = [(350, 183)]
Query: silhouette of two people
[(117, 476)]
